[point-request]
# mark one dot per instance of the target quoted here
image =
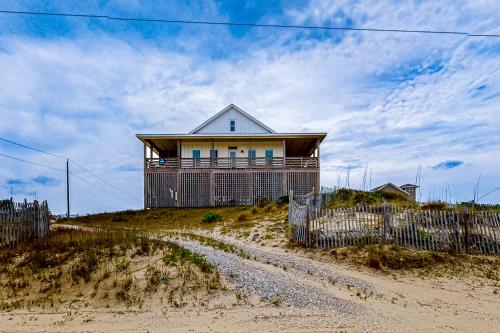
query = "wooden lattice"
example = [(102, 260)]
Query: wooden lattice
[(212, 187), (302, 182), (193, 189), (161, 189), (232, 188), (267, 186)]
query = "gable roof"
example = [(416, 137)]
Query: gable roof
[(226, 109), (381, 187), (409, 185)]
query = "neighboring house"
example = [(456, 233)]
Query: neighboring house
[(407, 191), (232, 158)]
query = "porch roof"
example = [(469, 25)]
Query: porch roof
[(297, 144)]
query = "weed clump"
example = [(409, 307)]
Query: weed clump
[(210, 217), (178, 254)]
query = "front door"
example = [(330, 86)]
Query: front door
[(196, 158), (232, 156), (269, 157), (214, 154)]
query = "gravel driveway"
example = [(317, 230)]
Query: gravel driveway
[(273, 283)]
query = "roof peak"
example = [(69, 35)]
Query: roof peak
[(226, 109)]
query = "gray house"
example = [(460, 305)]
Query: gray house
[(407, 191), (232, 158)]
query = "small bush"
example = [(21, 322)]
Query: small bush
[(262, 201), (284, 199), (121, 264), (434, 205), (255, 210), (242, 217), (118, 218), (144, 247), (85, 266), (210, 217), (153, 278)]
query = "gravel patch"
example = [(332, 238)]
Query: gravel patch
[(301, 264), (271, 283)]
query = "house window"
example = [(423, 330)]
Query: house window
[(232, 125)]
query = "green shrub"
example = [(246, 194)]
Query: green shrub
[(210, 217), (121, 264), (284, 199)]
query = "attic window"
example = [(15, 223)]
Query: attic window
[(232, 125)]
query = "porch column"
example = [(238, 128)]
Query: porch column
[(318, 152), (179, 154), (144, 177), (319, 173), (284, 173), (284, 153)]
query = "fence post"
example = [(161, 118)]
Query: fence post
[(308, 221), (386, 221), (466, 217)]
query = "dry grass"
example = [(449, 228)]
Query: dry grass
[(392, 258), (102, 268), (166, 219)]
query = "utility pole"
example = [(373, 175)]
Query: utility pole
[(67, 187)]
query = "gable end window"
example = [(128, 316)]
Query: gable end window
[(232, 125)]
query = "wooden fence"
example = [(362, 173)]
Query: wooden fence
[(432, 230), (22, 221)]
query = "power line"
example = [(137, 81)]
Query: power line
[(34, 163), (80, 166), (35, 149), (490, 192), (103, 180), (61, 170), (238, 24), (97, 187)]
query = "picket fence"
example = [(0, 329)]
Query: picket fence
[(460, 231), (22, 221)]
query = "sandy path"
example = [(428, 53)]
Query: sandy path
[(311, 302), (400, 303)]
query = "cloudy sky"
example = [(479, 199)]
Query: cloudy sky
[(390, 102)]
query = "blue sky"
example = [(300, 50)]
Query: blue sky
[(83, 88)]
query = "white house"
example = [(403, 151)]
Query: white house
[(232, 158)]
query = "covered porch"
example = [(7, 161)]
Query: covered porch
[(256, 151)]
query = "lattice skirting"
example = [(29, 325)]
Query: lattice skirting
[(203, 188)]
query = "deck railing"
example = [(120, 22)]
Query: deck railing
[(232, 163)]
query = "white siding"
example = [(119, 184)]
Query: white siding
[(223, 148), (244, 125)]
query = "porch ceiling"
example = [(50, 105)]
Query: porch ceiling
[(297, 144)]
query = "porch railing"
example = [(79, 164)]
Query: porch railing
[(232, 163)]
